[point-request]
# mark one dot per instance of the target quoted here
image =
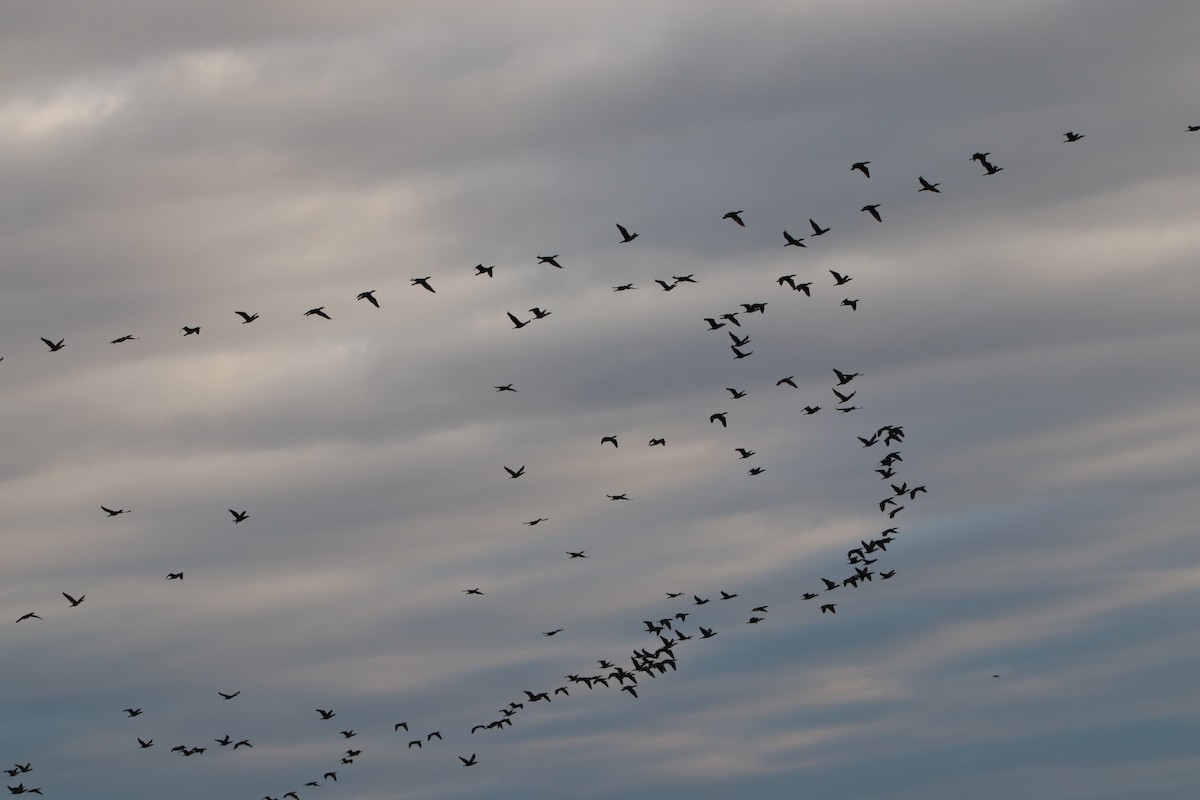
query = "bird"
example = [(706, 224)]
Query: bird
[(829, 585), (533, 522), (843, 398), (888, 574), (30, 615), (611, 439), (369, 296), (736, 216), (330, 776), (400, 725), (790, 380), (73, 601), (551, 260), (804, 287), (539, 313), (926, 186), (429, 737), (788, 280), (617, 497), (817, 229), (56, 346), (624, 287), (229, 696), (577, 553), (508, 387), (719, 417), (829, 607), (144, 744), (126, 338), (861, 166), (685, 278), (516, 322), (756, 471), (246, 318), (326, 714), (713, 324), (793, 241), (698, 601), (853, 304), (423, 282), (873, 210), (992, 169), (350, 734), (754, 620), (174, 576), (470, 762), (727, 596), (626, 236), (480, 269), (190, 331), (657, 442), (1193, 128), (840, 279), (739, 354), (666, 286), (742, 342), (707, 633), (238, 516), (114, 512), (472, 591), (515, 473), (810, 410), (1072, 136), (553, 632), (844, 378), (132, 712), (417, 742), (317, 312), (744, 452), (736, 394), (732, 317)]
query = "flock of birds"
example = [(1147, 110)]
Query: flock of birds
[(626, 674)]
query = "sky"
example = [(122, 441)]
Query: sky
[(1032, 334)]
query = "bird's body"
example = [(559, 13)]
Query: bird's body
[(246, 318), (369, 296), (551, 260), (736, 216), (873, 210), (317, 312), (926, 186), (861, 166), (626, 236), (423, 283)]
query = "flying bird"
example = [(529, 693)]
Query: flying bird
[(56, 346), (829, 607), (229, 696), (844, 378), (736, 217), (657, 442), (817, 229), (926, 186), (246, 318), (174, 576), (126, 338), (132, 712), (873, 210), (840, 279), (539, 313), (861, 166), (470, 762), (238, 516), (577, 554), (188, 331), (549, 260), (626, 236), (612, 439), (74, 602), (852, 303), (1072, 136), (467, 591), (516, 322), (624, 287), (423, 282), (533, 522), (369, 297), (744, 452), (739, 354), (114, 512), (719, 417), (480, 269), (508, 387), (515, 473), (30, 615), (792, 241), (736, 394), (317, 312), (790, 380), (144, 744), (326, 714), (666, 286)]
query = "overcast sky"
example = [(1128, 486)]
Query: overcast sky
[(1034, 333)]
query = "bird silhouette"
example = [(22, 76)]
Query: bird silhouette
[(422, 282), (926, 186), (817, 229), (189, 331), (793, 241), (470, 762), (129, 337), (861, 166), (719, 417), (736, 216), (369, 296), (246, 318), (114, 512), (73, 601), (840, 279), (55, 346), (238, 516), (317, 312), (1072, 136), (873, 210), (480, 269), (610, 439), (515, 473), (626, 236)]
